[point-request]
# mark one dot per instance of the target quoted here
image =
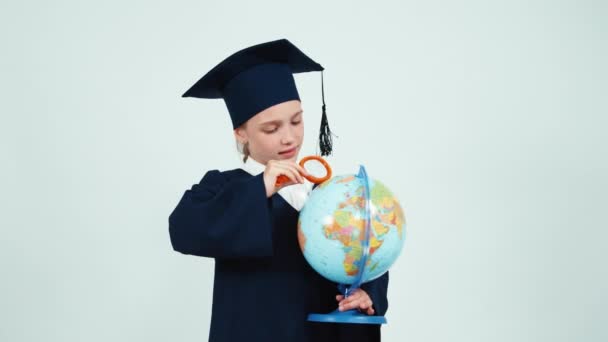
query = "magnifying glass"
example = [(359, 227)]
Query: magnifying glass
[(282, 179)]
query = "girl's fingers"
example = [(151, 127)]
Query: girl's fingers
[(355, 296), (279, 174), (365, 304), (348, 306), (291, 174), (296, 168), (349, 303), (297, 173), (302, 170), (358, 300), (362, 305)]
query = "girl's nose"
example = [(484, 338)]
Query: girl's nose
[(288, 137)]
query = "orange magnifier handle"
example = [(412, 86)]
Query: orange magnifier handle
[(282, 179)]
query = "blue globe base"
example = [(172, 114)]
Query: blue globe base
[(350, 316)]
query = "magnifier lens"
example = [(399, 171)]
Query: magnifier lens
[(315, 168)]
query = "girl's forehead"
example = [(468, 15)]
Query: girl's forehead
[(281, 111)]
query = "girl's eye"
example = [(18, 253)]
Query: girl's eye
[(270, 131), (296, 122)]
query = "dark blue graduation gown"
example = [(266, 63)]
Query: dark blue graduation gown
[(263, 287)]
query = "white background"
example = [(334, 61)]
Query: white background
[(487, 119)]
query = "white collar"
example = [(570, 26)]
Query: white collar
[(296, 195), (253, 166)]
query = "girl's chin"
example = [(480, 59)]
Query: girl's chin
[(292, 158)]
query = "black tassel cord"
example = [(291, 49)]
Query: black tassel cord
[(325, 134)]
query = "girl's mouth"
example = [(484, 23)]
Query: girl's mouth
[(289, 153)]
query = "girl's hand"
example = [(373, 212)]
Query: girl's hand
[(359, 299), (275, 168)]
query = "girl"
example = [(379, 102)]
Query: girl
[(263, 287)]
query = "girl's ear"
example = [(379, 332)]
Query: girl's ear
[(240, 135)]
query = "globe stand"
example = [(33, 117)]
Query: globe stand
[(354, 316), (349, 316)]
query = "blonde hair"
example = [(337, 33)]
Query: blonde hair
[(243, 149)]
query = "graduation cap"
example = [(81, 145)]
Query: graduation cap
[(257, 78)]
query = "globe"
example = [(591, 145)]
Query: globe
[(351, 230)]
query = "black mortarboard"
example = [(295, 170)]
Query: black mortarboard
[(257, 78)]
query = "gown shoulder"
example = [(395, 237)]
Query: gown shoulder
[(226, 214)]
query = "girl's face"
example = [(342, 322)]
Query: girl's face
[(275, 133)]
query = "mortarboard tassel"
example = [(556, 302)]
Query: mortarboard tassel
[(325, 139)]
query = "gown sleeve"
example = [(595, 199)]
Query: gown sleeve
[(377, 291), (223, 219)]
